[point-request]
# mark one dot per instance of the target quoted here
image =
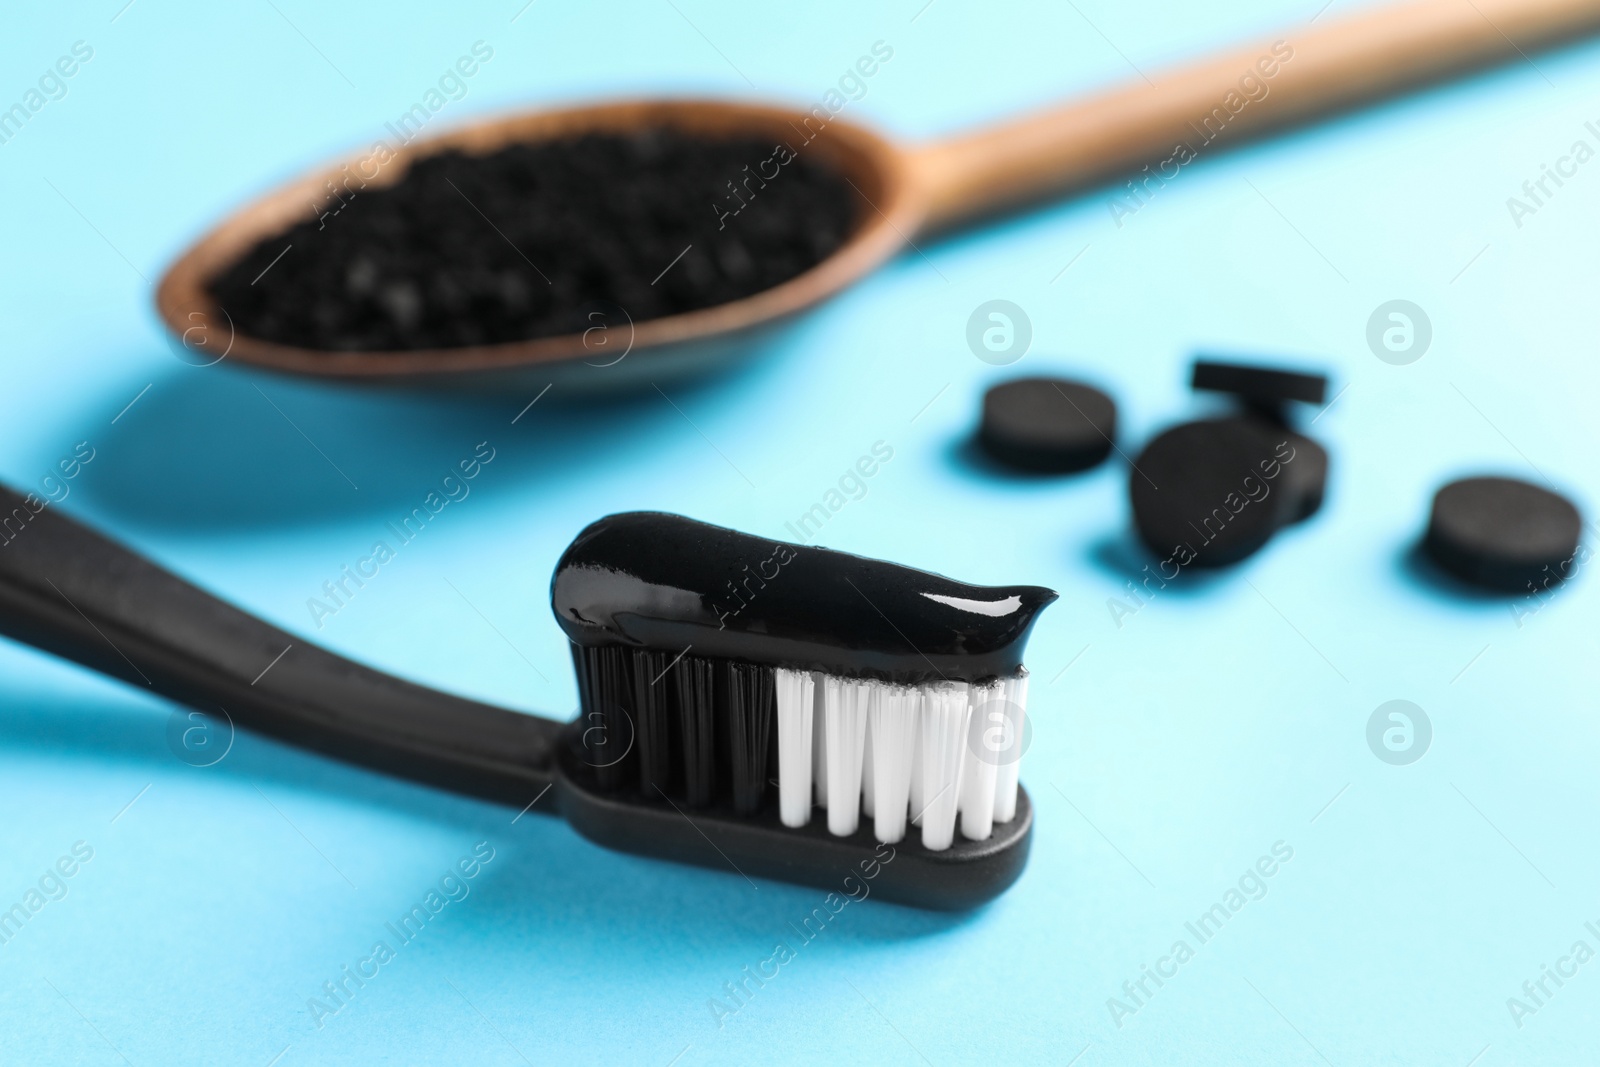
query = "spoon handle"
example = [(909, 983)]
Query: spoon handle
[(70, 591), (1178, 115)]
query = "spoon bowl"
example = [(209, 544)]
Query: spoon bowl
[(612, 351)]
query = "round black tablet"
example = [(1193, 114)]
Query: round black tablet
[(1501, 533), (1212, 492), (1304, 474), (1047, 424)]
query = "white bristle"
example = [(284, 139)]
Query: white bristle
[(869, 803), (845, 702), (894, 714), (795, 705), (916, 798), (985, 749), (919, 755), (819, 740), (945, 714), (1015, 704)]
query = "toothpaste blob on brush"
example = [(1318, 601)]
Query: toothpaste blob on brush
[(710, 660)]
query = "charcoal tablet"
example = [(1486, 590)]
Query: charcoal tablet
[(1304, 474), (1211, 492), (1050, 425), (1258, 385), (1502, 533)]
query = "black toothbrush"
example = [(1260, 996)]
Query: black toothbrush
[(679, 639)]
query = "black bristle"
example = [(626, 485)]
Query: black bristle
[(695, 681), (652, 713), (668, 723), (749, 714), (610, 734)]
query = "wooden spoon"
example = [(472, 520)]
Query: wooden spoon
[(911, 190)]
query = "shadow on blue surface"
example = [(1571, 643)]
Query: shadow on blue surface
[(964, 454), (1423, 574), (229, 449), (1124, 557)]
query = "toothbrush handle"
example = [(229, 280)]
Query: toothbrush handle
[(70, 591)]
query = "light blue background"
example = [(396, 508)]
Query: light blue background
[(1223, 717)]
